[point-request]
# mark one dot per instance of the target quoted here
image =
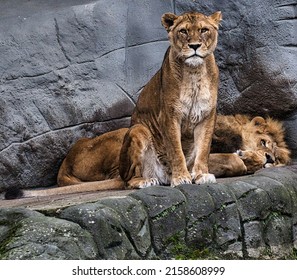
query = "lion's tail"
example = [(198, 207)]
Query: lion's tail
[(111, 184)]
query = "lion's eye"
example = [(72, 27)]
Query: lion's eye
[(203, 30), (183, 31), (263, 143)]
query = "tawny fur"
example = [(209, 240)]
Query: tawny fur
[(243, 132), (172, 125), (173, 121), (98, 158), (252, 156)]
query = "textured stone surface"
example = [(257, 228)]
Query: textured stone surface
[(287, 178), (278, 234), (254, 239), (238, 219), (291, 129), (166, 210), (75, 68), (110, 230), (26, 234), (134, 222), (69, 70)]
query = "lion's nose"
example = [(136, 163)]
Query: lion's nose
[(269, 158), (194, 46)]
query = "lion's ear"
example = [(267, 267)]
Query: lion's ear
[(258, 121), (168, 20), (216, 18)]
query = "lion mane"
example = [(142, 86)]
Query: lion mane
[(259, 142)]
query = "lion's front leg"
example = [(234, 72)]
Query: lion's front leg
[(176, 157), (226, 165), (202, 141)]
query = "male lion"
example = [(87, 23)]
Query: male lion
[(258, 142), (240, 145), (173, 121)]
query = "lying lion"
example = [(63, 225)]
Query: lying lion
[(258, 142), (240, 145)]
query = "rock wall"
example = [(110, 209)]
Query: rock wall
[(71, 69), (251, 218)]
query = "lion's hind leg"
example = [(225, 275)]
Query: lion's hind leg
[(65, 177), (139, 166)]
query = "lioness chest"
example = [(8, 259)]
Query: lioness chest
[(195, 102)]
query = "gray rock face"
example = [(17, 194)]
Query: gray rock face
[(119, 227), (213, 217), (166, 209), (256, 55), (73, 69), (29, 235), (69, 71)]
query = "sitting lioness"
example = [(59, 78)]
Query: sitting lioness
[(173, 121)]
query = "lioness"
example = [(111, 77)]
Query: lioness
[(173, 121)]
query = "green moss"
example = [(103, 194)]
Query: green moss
[(179, 250), (167, 212), (293, 255), (189, 253), (9, 236)]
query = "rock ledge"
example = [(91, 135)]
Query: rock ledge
[(252, 217)]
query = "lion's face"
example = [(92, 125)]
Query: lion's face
[(259, 142), (263, 144), (256, 159), (258, 151), (278, 151), (192, 36)]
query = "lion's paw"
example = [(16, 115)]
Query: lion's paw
[(141, 183), (180, 180), (148, 183), (240, 153), (205, 178)]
